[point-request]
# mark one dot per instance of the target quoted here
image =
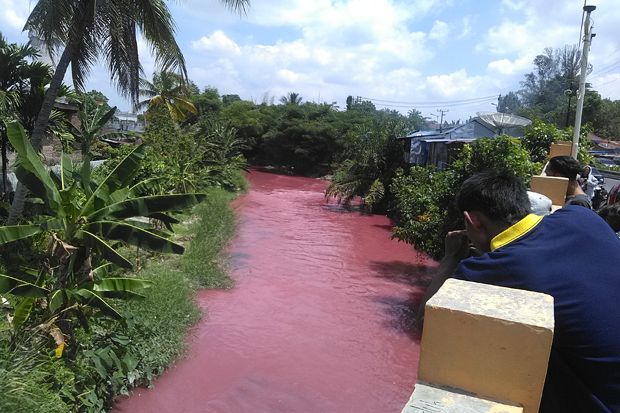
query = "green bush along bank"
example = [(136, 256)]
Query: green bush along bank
[(116, 355), (424, 196)]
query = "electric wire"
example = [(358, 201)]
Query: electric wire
[(607, 69), (607, 83), (583, 15), (434, 103), (477, 103)]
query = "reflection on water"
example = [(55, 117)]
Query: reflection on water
[(320, 319)]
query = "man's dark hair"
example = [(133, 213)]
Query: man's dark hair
[(566, 166), (500, 195), (611, 214)]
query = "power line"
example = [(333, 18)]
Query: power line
[(607, 69), (583, 14), (448, 102), (606, 83), (477, 103)]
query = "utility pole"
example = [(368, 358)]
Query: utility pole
[(587, 40), (442, 111)]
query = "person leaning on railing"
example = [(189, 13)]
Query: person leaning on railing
[(572, 255)]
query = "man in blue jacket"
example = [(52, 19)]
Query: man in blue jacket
[(572, 255)]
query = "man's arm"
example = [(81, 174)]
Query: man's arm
[(456, 248)]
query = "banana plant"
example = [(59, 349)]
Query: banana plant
[(92, 119), (85, 221)]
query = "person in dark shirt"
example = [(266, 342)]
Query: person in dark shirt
[(611, 215), (572, 255), (568, 167)]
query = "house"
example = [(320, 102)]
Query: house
[(439, 148), (127, 122)]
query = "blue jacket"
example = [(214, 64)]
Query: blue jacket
[(574, 256)]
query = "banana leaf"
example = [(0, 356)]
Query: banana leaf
[(56, 301), (121, 287), (148, 205), (30, 170), (120, 195), (133, 235), (92, 299), (22, 311), (109, 253), (121, 176), (66, 171), (100, 271), (15, 232), (53, 225), (147, 186), (21, 288)]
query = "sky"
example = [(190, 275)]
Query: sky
[(431, 55)]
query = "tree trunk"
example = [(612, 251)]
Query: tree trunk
[(40, 127), (4, 164)]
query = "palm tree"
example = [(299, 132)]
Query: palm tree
[(15, 73), (291, 98), (167, 89), (86, 30)]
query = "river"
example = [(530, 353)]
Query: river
[(321, 318)]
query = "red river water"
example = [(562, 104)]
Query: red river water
[(321, 318)]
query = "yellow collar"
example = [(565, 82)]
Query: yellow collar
[(516, 231)]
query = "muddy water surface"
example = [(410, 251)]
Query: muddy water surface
[(320, 319)]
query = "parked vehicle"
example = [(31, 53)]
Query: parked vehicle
[(597, 174), (600, 197)]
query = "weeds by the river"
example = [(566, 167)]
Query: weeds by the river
[(117, 355)]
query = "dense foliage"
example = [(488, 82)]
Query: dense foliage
[(425, 209), (374, 155), (549, 93), (114, 355)]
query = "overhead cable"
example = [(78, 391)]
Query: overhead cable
[(431, 103)]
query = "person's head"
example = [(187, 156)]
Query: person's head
[(564, 166), (586, 171), (491, 201), (611, 214)]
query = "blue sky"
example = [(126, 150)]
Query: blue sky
[(428, 54)]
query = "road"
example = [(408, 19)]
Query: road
[(609, 183)]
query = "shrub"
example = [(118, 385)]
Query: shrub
[(425, 210)]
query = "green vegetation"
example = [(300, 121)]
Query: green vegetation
[(424, 198), (548, 93), (90, 305), (168, 89), (115, 355)]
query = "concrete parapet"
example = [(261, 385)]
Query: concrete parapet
[(490, 341), (433, 399)]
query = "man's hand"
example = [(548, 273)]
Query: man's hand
[(456, 248), (457, 245)]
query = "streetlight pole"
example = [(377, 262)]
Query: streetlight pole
[(587, 39)]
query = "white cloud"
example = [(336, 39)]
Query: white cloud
[(457, 83), (13, 19), (506, 38), (339, 47), (378, 49), (513, 5), (509, 67), (13, 15), (218, 41), (466, 22), (440, 31)]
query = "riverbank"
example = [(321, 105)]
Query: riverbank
[(116, 356), (321, 317)]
